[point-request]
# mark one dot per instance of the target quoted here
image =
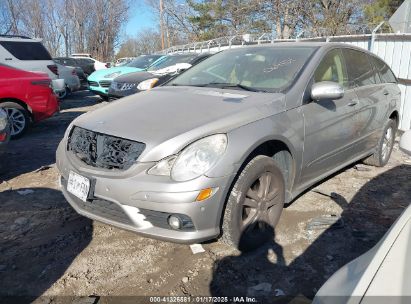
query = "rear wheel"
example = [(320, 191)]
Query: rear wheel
[(254, 205), (19, 118), (63, 94), (382, 155)]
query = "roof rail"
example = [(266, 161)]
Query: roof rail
[(14, 36)]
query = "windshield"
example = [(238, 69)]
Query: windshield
[(172, 60), (143, 61), (266, 69)]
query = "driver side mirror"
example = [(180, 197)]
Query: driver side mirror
[(405, 142), (326, 90)]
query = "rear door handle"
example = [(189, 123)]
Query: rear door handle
[(352, 103), (386, 93)]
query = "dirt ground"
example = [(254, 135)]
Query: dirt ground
[(48, 251)]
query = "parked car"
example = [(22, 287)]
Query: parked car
[(98, 65), (87, 55), (100, 81), (123, 61), (381, 271), (4, 136), (26, 97), (131, 83), (223, 146), (72, 62), (26, 54), (72, 81)]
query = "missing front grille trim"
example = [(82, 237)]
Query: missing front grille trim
[(104, 151)]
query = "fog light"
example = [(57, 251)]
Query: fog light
[(175, 222)]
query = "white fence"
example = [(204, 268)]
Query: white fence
[(395, 49)]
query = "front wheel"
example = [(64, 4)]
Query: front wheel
[(254, 205), (384, 148)]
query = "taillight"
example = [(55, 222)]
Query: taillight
[(3, 136), (42, 82), (73, 72), (53, 68), (108, 65)]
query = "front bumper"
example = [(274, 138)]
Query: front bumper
[(99, 90), (139, 202)]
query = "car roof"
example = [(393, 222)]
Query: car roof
[(288, 44)]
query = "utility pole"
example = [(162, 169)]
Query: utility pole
[(162, 24)]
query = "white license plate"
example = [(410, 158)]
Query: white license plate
[(78, 185)]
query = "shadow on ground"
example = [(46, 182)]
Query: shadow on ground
[(363, 222), (40, 236)]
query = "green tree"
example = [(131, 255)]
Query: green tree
[(380, 10)]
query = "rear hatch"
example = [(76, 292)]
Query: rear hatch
[(27, 54)]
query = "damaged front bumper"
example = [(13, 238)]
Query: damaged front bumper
[(142, 203)]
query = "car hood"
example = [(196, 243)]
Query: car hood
[(105, 73), (168, 118), (135, 77)]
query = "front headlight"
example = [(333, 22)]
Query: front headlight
[(3, 119), (147, 84), (194, 161)]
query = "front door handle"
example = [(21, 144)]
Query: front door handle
[(352, 103), (386, 93)]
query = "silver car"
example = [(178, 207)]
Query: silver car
[(4, 137), (221, 148)]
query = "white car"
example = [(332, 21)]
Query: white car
[(98, 65), (26, 54), (382, 274), (72, 82), (123, 61)]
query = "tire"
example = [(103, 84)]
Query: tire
[(19, 116), (63, 94), (384, 148), (253, 210)]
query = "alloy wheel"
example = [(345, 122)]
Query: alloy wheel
[(260, 199), (17, 121), (387, 143)]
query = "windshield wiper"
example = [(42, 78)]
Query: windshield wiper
[(230, 85), (223, 85)]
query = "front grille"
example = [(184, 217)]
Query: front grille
[(105, 83), (104, 151), (93, 84)]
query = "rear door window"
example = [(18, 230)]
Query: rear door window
[(386, 75), (26, 50), (359, 68)]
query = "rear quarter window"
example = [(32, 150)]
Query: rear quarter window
[(386, 75), (26, 50)]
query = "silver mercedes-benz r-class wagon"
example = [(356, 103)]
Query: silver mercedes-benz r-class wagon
[(221, 148)]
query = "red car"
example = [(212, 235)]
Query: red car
[(27, 97)]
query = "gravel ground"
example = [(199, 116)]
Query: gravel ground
[(48, 251)]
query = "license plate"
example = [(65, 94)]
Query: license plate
[(78, 185)]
